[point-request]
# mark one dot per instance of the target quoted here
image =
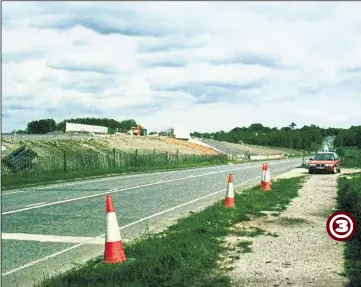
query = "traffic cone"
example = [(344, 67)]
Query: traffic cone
[(229, 202), (269, 175), (263, 175), (267, 179), (114, 249)]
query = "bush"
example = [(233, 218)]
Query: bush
[(349, 200)]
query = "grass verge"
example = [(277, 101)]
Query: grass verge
[(187, 253), (9, 183), (351, 157), (349, 200)]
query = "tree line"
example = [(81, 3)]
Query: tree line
[(306, 138), (44, 126)]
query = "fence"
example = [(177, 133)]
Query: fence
[(112, 162), (48, 137)]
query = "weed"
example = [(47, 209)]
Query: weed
[(245, 246), (291, 221), (349, 200), (272, 234)]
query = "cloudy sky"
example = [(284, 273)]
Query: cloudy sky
[(202, 66)]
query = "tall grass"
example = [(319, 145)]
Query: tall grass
[(351, 157), (349, 200), (73, 165)]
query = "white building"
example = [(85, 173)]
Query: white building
[(72, 127), (182, 133)]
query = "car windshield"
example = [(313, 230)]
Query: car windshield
[(326, 156)]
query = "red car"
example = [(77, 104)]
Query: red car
[(328, 162)]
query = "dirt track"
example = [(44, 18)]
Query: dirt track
[(303, 254)]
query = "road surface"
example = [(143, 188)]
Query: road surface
[(47, 229)]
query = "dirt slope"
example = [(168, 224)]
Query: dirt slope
[(303, 254), (47, 146)]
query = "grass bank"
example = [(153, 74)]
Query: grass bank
[(351, 157), (349, 200), (70, 166), (186, 254)]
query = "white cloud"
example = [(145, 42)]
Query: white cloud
[(201, 66)]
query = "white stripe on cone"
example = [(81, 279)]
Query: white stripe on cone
[(230, 191), (113, 233), (267, 176)]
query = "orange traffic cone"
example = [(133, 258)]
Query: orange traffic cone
[(114, 249), (269, 175), (229, 202), (263, 175), (267, 179)]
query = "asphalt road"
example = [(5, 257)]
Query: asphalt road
[(48, 229)]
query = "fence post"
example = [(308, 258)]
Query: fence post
[(303, 157), (65, 165), (177, 157), (114, 162), (154, 161)]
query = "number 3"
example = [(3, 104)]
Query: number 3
[(342, 225)]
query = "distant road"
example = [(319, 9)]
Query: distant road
[(44, 228)]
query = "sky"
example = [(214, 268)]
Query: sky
[(199, 66)]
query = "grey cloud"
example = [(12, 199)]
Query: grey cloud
[(92, 85), (171, 63), (167, 45), (216, 91), (355, 69), (251, 59), (21, 56), (64, 65)]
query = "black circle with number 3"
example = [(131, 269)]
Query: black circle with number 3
[(340, 229)]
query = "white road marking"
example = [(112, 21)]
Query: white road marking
[(123, 227), (106, 179), (35, 204), (84, 181), (53, 238), (122, 189)]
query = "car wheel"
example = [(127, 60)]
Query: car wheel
[(310, 172), (339, 170), (335, 170)]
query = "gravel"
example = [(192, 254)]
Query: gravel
[(303, 254)]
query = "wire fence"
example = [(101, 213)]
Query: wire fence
[(36, 137), (114, 161)]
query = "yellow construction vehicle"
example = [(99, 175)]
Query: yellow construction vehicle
[(139, 130)]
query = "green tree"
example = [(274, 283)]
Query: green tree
[(126, 125), (292, 125), (42, 126)]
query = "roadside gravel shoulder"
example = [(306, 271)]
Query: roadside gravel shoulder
[(300, 252)]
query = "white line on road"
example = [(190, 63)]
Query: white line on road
[(122, 189), (29, 205), (125, 175), (53, 238), (85, 181), (123, 227)]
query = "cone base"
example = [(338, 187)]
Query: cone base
[(114, 252), (267, 187), (229, 202)]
